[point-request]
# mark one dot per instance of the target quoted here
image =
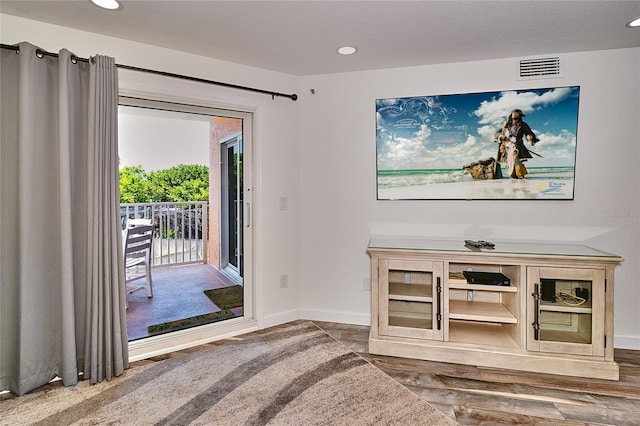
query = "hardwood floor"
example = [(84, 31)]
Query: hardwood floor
[(484, 396)]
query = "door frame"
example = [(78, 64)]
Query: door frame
[(170, 342)]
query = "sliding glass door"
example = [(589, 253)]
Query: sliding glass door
[(217, 236)]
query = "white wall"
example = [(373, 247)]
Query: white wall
[(339, 210), (276, 132)]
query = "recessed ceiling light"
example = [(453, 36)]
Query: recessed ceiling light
[(107, 4), (634, 23), (347, 50)]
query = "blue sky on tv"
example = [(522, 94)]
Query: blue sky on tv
[(449, 131)]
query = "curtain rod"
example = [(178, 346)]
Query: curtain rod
[(40, 53)]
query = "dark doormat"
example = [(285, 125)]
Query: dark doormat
[(226, 297), (181, 324)]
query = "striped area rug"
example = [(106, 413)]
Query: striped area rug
[(292, 375)]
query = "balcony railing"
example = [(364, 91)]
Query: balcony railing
[(180, 230)]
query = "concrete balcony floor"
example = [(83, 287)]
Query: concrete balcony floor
[(178, 293)]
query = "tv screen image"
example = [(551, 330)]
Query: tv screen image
[(514, 144)]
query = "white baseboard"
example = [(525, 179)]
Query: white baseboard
[(315, 315), (336, 316), (179, 340), (620, 342), (171, 342), (626, 342), (280, 318)]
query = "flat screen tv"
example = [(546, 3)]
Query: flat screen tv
[(504, 145)]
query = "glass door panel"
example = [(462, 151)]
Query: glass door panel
[(567, 304), (565, 311), (232, 202), (412, 299)]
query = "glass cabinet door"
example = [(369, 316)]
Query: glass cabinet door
[(411, 298), (566, 310)]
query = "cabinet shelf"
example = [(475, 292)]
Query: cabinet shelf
[(482, 287), (565, 336), (559, 307), (410, 322), (479, 333), (410, 292), (480, 311)]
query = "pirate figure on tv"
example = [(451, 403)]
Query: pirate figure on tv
[(512, 149)]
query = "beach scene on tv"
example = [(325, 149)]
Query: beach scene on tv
[(516, 144)]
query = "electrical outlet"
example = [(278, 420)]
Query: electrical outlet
[(284, 281), (366, 284), (469, 295)]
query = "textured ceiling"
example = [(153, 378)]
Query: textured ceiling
[(300, 37)]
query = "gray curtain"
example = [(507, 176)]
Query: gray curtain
[(62, 300)]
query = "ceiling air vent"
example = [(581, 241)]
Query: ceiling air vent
[(540, 67)]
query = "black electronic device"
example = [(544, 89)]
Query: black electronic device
[(486, 278), (583, 293), (548, 290)]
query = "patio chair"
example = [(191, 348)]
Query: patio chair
[(138, 222), (137, 255)]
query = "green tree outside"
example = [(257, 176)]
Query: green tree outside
[(186, 182)]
